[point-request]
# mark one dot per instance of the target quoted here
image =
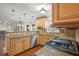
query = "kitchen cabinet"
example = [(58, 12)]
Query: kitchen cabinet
[(26, 43), (66, 15), (42, 39), (15, 46), (18, 44), (41, 22), (12, 46)]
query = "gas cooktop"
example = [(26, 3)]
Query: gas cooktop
[(63, 44)]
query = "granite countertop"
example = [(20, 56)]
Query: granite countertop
[(50, 52), (48, 34), (29, 34), (17, 35)]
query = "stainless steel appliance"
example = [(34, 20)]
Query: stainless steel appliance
[(33, 41), (65, 45)]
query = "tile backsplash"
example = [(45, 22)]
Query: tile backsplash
[(67, 34), (77, 35), (72, 34)]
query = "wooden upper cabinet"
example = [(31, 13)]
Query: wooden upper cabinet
[(41, 22), (66, 14)]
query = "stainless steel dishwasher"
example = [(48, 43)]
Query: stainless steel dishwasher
[(33, 40)]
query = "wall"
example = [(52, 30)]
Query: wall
[(3, 27), (6, 27), (67, 33), (72, 34), (77, 35), (10, 28)]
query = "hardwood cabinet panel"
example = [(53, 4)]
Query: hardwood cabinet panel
[(68, 9), (26, 43), (7, 45), (65, 14), (15, 46), (19, 46), (41, 22), (12, 47), (42, 39)]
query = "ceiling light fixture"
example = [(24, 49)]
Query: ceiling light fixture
[(13, 10), (32, 19), (13, 13), (25, 16), (4, 22), (42, 11)]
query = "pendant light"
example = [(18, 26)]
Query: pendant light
[(13, 13), (42, 11)]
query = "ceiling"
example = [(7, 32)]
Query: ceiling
[(30, 9)]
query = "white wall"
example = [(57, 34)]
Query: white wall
[(3, 27), (10, 28)]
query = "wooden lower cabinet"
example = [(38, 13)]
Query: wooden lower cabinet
[(42, 39), (26, 43), (18, 45), (12, 46)]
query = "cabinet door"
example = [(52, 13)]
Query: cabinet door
[(7, 45), (12, 47), (26, 43), (41, 22), (65, 13), (19, 46), (16, 46), (42, 39)]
